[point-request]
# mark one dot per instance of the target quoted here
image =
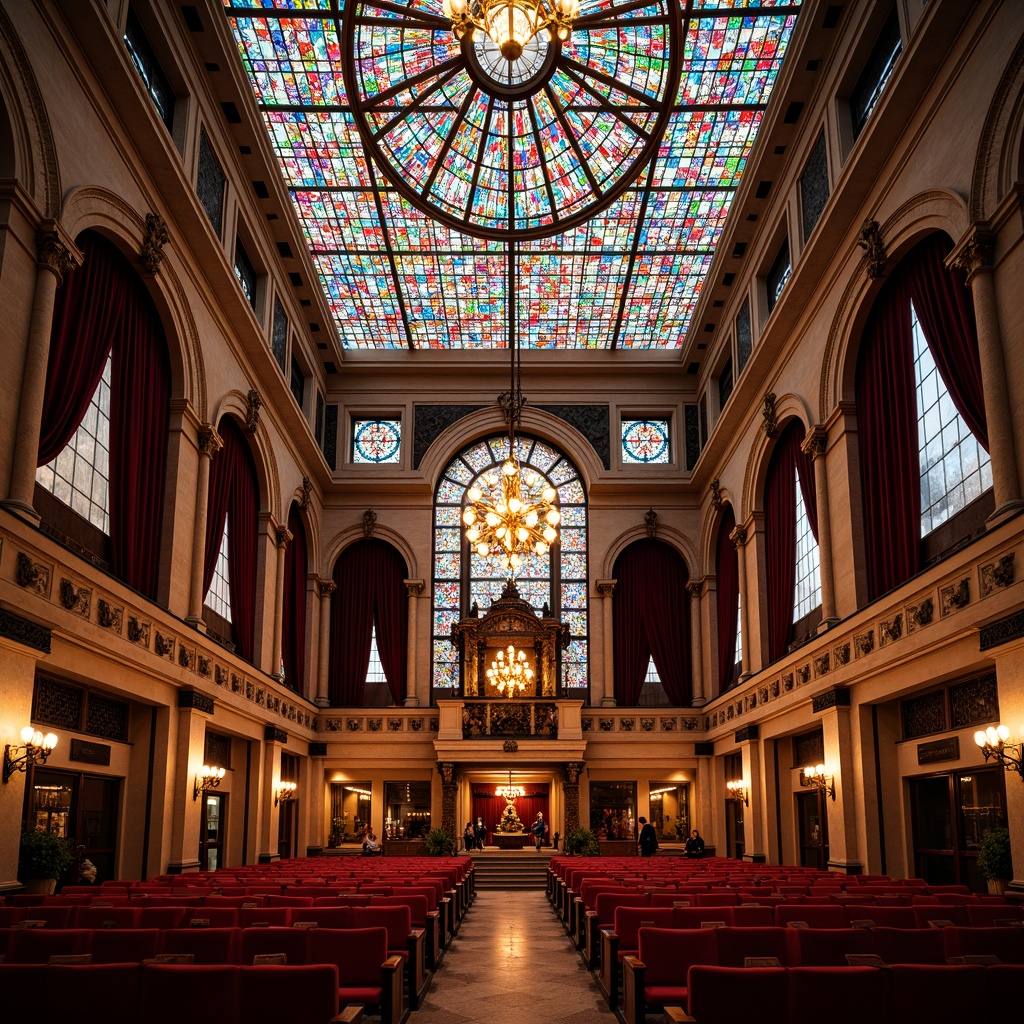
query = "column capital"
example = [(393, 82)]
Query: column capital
[(573, 771), (605, 587), (414, 587), (282, 536), (55, 251), (209, 441), (446, 769), (975, 252), (325, 587), (739, 536), (695, 588), (815, 443)]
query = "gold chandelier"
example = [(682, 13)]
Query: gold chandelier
[(510, 792), (510, 674), (511, 24), (516, 516)]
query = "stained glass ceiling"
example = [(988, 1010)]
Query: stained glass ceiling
[(628, 277)]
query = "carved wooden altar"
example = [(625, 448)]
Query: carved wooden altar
[(510, 620)]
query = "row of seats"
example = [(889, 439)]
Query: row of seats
[(172, 993), (842, 995), (656, 969)]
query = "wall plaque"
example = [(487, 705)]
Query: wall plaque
[(90, 753), (947, 749)]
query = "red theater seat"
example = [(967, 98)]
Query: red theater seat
[(827, 947), (176, 993), (293, 942), (840, 995), (736, 944), (207, 945), (721, 995), (93, 993), (296, 995), (124, 945), (910, 945), (37, 945), (937, 994)]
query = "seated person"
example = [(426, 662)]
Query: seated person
[(371, 845), (694, 845)]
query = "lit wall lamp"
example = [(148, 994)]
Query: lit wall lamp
[(994, 746), (36, 749), (814, 775), (285, 792), (738, 792), (209, 778)]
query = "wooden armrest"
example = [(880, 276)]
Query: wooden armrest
[(675, 1015), (393, 963), (633, 963), (350, 1015)]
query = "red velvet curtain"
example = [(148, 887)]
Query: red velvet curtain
[(890, 470), (490, 807), (235, 496), (780, 530), (87, 313), (945, 310), (293, 627), (370, 592), (727, 596), (651, 620)]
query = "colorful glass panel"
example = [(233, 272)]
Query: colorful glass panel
[(376, 440), (645, 441)]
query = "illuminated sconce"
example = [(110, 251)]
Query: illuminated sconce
[(285, 792), (209, 778), (814, 775), (994, 746), (738, 792), (36, 749)]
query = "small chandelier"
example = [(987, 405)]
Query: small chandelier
[(511, 24), (510, 674), (516, 516), (993, 745), (510, 792)]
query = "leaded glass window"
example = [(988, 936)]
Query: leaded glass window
[(876, 73), (153, 78), (210, 183), (462, 578), (744, 336), (814, 185), (725, 384), (955, 469), (375, 670), (80, 475), (218, 597), (246, 273), (780, 273), (376, 440), (808, 562), (645, 441), (279, 335)]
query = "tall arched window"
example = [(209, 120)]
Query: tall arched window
[(462, 579), (727, 602)]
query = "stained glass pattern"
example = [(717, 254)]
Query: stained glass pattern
[(628, 277), (645, 441), (376, 441), (558, 579)]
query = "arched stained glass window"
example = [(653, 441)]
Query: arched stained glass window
[(462, 579)]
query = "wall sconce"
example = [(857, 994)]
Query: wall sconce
[(36, 749), (814, 775), (738, 792), (210, 778), (285, 792), (994, 746)]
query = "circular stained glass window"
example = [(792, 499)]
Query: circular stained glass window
[(511, 149), (645, 441), (377, 441)]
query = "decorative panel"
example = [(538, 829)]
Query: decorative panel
[(210, 182), (814, 186), (692, 430), (106, 717), (58, 704), (808, 748), (974, 702), (924, 715)]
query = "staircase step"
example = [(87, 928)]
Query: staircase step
[(520, 870)]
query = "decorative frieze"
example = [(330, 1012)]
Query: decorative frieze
[(822, 664), (109, 616), (920, 614), (395, 724), (22, 631), (163, 646), (841, 654), (890, 630), (837, 697), (274, 734), (138, 631), (187, 658), (627, 724), (647, 725), (196, 701), (31, 575), (75, 598), (747, 733), (996, 575), (954, 596)]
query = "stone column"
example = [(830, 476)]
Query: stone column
[(56, 256), (326, 588), (739, 538), (449, 794), (841, 758), (599, 694), (695, 587), (571, 794), (209, 444), (754, 813), (815, 444), (975, 259), (412, 699), (189, 754), (282, 537), (274, 740)]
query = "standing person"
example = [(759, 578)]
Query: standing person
[(481, 833), (694, 845), (538, 830), (469, 837), (647, 843)]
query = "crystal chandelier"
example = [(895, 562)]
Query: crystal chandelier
[(510, 792), (516, 515), (510, 674), (511, 24)]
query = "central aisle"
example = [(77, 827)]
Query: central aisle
[(512, 963)]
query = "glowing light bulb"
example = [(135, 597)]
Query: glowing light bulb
[(49, 741), (1004, 733), (27, 733)]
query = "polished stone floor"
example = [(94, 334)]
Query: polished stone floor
[(512, 963)]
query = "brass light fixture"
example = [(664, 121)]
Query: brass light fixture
[(738, 792), (994, 746), (285, 792), (815, 775), (517, 515), (36, 749), (209, 778), (510, 792), (511, 24), (510, 674)]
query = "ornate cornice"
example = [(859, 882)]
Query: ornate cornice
[(414, 588), (23, 631), (605, 587), (837, 697), (196, 701), (747, 733), (573, 771)]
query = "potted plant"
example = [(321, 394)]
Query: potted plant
[(42, 859), (994, 860), (581, 842), (440, 843)]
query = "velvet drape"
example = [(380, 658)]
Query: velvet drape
[(490, 807), (293, 626), (727, 596), (370, 592), (651, 619)]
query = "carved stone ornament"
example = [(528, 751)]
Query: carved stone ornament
[(164, 645), (187, 658), (209, 441), (151, 254), (369, 522), (651, 521), (394, 725), (668, 724), (738, 537), (53, 254), (822, 664), (920, 614), (510, 746), (14, 627), (252, 410), (870, 240), (803, 673), (995, 575), (220, 675), (108, 616), (716, 494), (573, 771), (815, 443), (31, 575), (138, 631), (446, 769), (841, 654), (75, 599), (771, 419), (693, 588), (326, 587), (890, 630), (955, 596), (977, 254), (202, 665), (281, 537), (864, 643), (307, 490)]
